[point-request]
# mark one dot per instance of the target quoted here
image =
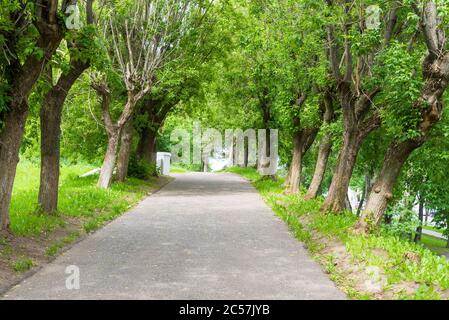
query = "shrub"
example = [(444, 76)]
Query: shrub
[(141, 169)]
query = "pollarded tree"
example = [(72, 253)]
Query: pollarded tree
[(180, 78), (325, 147), (81, 49), (140, 36), (30, 34), (428, 108), (353, 47)]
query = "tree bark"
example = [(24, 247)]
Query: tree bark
[(418, 234), (294, 175), (22, 78), (10, 141), (430, 105), (205, 165), (50, 119), (382, 190), (320, 167), (366, 190), (324, 150), (146, 149), (246, 153), (335, 200), (303, 140), (107, 169), (125, 151)]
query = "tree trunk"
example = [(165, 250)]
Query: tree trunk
[(336, 198), (348, 206), (125, 151), (50, 119), (430, 104), (320, 168), (146, 149), (382, 190), (418, 234), (325, 148), (246, 153), (362, 199), (302, 142), (10, 141), (108, 166), (205, 165), (366, 190), (296, 165), (22, 79)]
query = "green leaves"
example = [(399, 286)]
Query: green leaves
[(400, 77)]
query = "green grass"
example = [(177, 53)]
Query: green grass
[(431, 273), (437, 245), (23, 265), (430, 228), (176, 169), (78, 197), (54, 249)]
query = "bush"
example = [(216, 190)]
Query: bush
[(141, 169)]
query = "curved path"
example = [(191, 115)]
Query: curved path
[(204, 236)]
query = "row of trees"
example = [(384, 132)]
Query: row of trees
[(140, 57), (392, 75), (360, 83), (357, 89)]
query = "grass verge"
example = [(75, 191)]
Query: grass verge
[(379, 266)]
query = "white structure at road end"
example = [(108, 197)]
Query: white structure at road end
[(163, 162)]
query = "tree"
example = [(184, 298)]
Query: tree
[(81, 50), (143, 34), (180, 78), (355, 90), (325, 147), (38, 25), (429, 104)]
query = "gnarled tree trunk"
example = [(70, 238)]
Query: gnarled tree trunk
[(294, 175), (357, 126), (125, 151), (146, 149), (430, 105), (382, 190), (418, 234), (303, 140), (320, 167), (113, 131), (324, 150), (107, 169), (50, 119)]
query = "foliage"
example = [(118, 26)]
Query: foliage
[(79, 197), (430, 273), (141, 169)]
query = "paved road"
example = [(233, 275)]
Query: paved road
[(435, 234), (204, 236)]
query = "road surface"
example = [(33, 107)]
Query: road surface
[(204, 236)]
